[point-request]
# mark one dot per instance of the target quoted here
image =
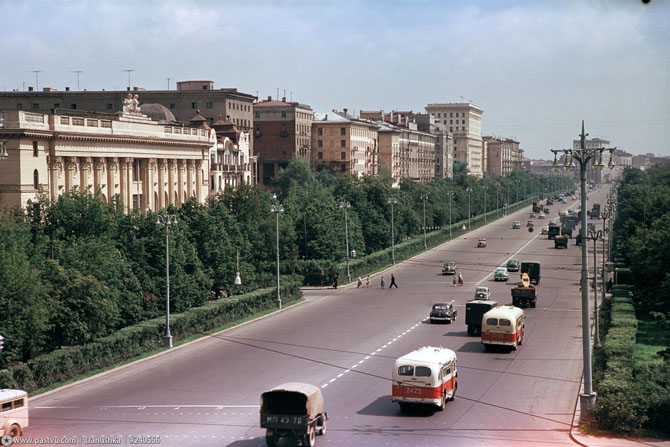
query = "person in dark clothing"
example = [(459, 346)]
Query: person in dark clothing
[(335, 281), (609, 285), (393, 282)]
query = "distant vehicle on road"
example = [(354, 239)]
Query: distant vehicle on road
[(13, 412), (503, 326), (426, 376), (474, 311), (545, 229), (293, 410), (481, 243), (532, 216), (501, 274), (530, 224), (443, 311), (449, 268), (513, 265), (561, 241), (554, 230), (482, 293), (516, 225), (524, 296), (541, 215)]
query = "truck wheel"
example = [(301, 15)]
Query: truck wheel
[(321, 428), (471, 330), (532, 304), (310, 437), (270, 439)]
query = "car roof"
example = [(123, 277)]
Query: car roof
[(442, 303)]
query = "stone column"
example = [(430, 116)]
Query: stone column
[(172, 166), (198, 180), (148, 186), (189, 178), (112, 169), (162, 167), (181, 165), (84, 171), (98, 169), (70, 168), (55, 165)]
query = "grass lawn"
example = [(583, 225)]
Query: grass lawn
[(650, 339)]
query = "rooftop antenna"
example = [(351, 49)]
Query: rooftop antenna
[(168, 79), (462, 98), (256, 95), (37, 79), (78, 73), (128, 71)]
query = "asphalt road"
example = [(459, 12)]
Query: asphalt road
[(345, 341)]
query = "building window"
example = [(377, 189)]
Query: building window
[(438, 115), (258, 114), (283, 130), (73, 106), (319, 143), (343, 143), (283, 154), (109, 106), (343, 155), (462, 121), (173, 105), (56, 105), (343, 131), (19, 105), (451, 129), (283, 114), (36, 179), (35, 149), (36, 106), (319, 131), (209, 104), (320, 155), (194, 105)]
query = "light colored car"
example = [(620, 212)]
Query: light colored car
[(516, 225), (481, 243), (482, 293), (501, 274), (541, 215), (545, 229)]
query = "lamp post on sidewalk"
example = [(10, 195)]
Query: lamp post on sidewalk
[(469, 190), (345, 206), (583, 156), (277, 209), (424, 197), (485, 188), (450, 194), (167, 220), (392, 201), (594, 236)]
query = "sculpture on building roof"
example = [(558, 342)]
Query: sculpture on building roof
[(131, 105)]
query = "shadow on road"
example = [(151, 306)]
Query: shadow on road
[(457, 334), (471, 346), (383, 406), (257, 442)]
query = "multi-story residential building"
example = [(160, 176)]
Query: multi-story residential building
[(344, 143), (415, 155), (148, 164), (503, 155), (191, 97), (282, 130), (444, 145), (464, 122), (230, 161)]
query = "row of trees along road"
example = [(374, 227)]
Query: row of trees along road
[(79, 268)]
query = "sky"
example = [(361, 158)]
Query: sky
[(536, 67)]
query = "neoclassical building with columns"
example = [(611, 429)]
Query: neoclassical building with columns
[(147, 163)]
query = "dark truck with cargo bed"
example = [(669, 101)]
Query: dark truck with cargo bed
[(474, 310), (533, 270), (524, 296)]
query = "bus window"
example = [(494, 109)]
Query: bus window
[(406, 370), (503, 322), (423, 371), (492, 322), (6, 406)]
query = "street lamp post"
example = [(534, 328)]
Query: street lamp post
[(583, 157), (392, 201), (450, 194), (469, 190), (485, 188), (595, 235), (497, 194), (277, 209), (517, 189), (424, 197), (166, 220), (345, 206)]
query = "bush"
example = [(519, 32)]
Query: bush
[(132, 341)]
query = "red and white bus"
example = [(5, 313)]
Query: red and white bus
[(427, 375), (503, 326)]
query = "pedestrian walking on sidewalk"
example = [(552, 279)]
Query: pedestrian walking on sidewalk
[(393, 282), (382, 282), (367, 282), (360, 283)]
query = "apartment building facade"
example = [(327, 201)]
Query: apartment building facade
[(282, 130), (146, 163), (464, 122), (230, 161), (344, 143), (503, 155)]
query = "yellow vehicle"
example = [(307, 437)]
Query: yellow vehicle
[(427, 375), (503, 326), (13, 412)]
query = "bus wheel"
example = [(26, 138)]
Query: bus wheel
[(443, 401), (404, 406), (14, 431), (453, 393)]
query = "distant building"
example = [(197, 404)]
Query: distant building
[(464, 122), (593, 175), (344, 143), (148, 164), (282, 130), (230, 161), (503, 156), (191, 97)]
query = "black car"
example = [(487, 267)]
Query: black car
[(513, 265), (443, 312)]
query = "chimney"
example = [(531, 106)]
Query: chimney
[(30, 89), (269, 98), (283, 99), (67, 89), (345, 111)]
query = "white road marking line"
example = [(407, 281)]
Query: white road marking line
[(513, 254)]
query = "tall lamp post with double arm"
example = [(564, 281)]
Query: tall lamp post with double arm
[(277, 209), (450, 194), (584, 156), (485, 188), (345, 206), (469, 190), (424, 197), (392, 201)]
